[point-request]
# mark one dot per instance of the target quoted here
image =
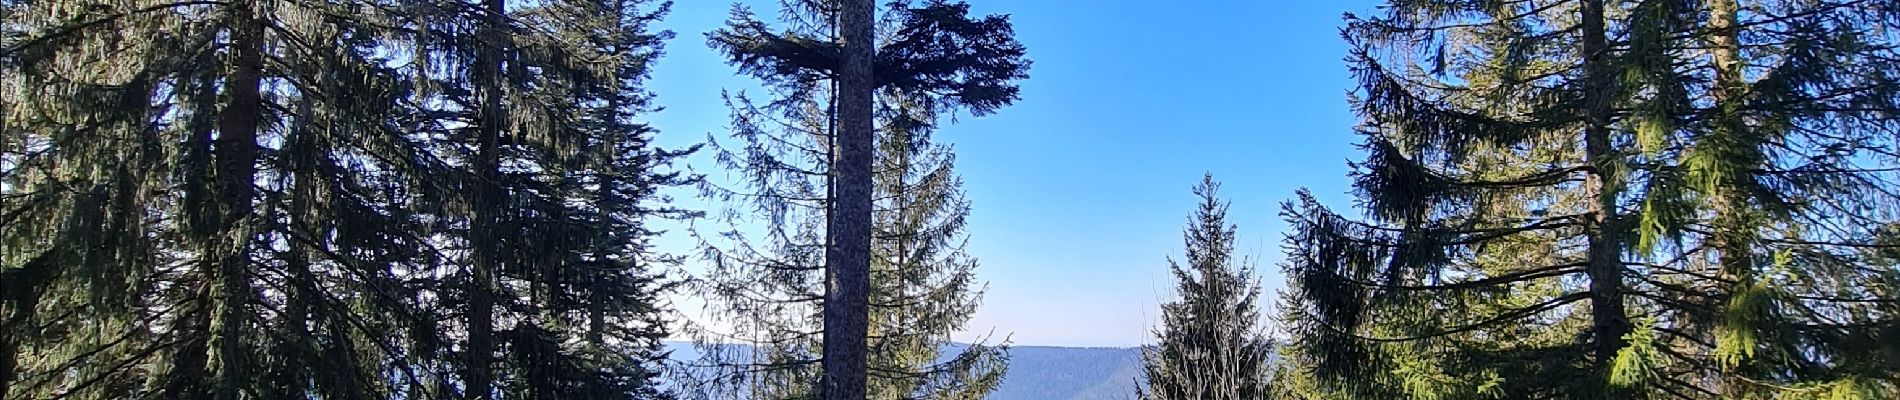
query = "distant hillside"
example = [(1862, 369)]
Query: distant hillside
[(1046, 372), (1070, 373)]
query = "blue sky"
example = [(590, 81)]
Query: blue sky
[(1080, 189)]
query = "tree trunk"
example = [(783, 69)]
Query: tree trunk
[(848, 256), (236, 154), (301, 301), (1731, 237), (598, 271), (487, 200), (1734, 235), (1608, 318), (486, 251)]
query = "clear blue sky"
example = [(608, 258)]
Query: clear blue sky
[(1080, 190)]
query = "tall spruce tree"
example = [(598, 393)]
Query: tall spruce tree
[(174, 287), (1761, 238), (245, 199), (594, 283), (924, 284), (1699, 197), (1495, 250), (1210, 345), (558, 181), (768, 285)]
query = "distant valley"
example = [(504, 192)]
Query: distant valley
[(1046, 372)]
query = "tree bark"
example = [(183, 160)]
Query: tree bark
[(1608, 315), (236, 154), (1734, 236), (485, 251), (848, 255)]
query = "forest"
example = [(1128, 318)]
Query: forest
[(469, 200)]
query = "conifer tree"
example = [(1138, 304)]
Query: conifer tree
[(767, 284), (1776, 191), (246, 199), (1210, 346), (924, 284), (559, 297), (186, 264), (1494, 250), (587, 270), (1654, 171)]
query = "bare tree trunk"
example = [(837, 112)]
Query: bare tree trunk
[(1608, 316), (486, 251), (848, 256), (237, 169)]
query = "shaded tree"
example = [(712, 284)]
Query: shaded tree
[(187, 267), (267, 194)]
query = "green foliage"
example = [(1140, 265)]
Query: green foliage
[(274, 199), (1639, 364), (1539, 176), (1210, 346), (766, 286)]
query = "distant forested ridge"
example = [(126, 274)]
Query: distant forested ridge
[(1035, 372)]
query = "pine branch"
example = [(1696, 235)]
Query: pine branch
[(1502, 279), (76, 27), (1507, 316)]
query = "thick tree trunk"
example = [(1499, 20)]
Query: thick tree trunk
[(1608, 315), (236, 154), (1734, 236), (486, 251), (848, 225)]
